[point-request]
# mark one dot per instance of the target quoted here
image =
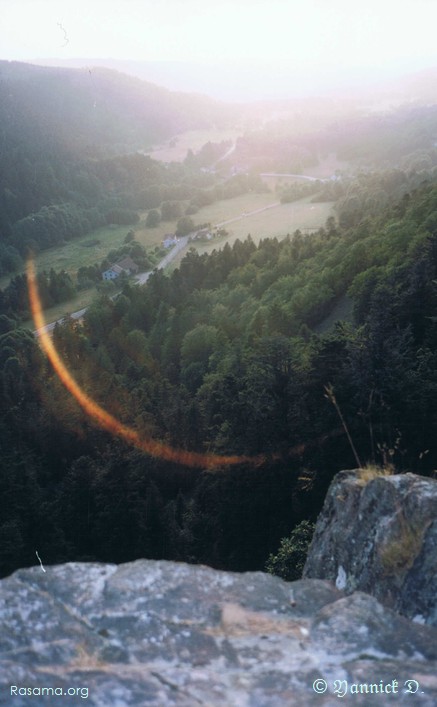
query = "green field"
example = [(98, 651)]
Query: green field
[(71, 256), (234, 208), (94, 247), (213, 213), (52, 314), (283, 219), (79, 252), (90, 249), (82, 251), (276, 221)]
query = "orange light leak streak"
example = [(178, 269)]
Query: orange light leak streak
[(104, 419)]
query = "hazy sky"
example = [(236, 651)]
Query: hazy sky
[(300, 36)]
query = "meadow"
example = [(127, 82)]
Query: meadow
[(235, 213), (216, 213), (94, 247), (86, 250), (276, 221), (282, 219), (82, 299)]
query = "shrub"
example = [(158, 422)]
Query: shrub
[(184, 226), (289, 562), (153, 218), (372, 471)]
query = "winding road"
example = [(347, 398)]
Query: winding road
[(142, 278), (297, 176)]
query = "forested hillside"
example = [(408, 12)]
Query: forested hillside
[(96, 110), (67, 145), (405, 137), (223, 357)]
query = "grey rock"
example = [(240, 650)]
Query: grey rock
[(380, 536), (163, 633)]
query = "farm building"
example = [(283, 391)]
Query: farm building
[(203, 234), (126, 266)]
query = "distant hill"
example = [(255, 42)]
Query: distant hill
[(68, 138), (97, 109), (253, 83), (421, 86)]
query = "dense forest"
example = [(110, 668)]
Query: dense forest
[(223, 356), (296, 357)]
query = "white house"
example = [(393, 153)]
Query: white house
[(126, 266), (170, 240)]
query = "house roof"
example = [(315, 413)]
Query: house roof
[(114, 268), (126, 264)]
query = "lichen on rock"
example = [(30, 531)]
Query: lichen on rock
[(383, 536)]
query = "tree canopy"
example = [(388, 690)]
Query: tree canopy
[(226, 355)]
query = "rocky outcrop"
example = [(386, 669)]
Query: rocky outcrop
[(379, 535), (162, 633)]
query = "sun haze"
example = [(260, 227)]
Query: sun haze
[(313, 43)]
